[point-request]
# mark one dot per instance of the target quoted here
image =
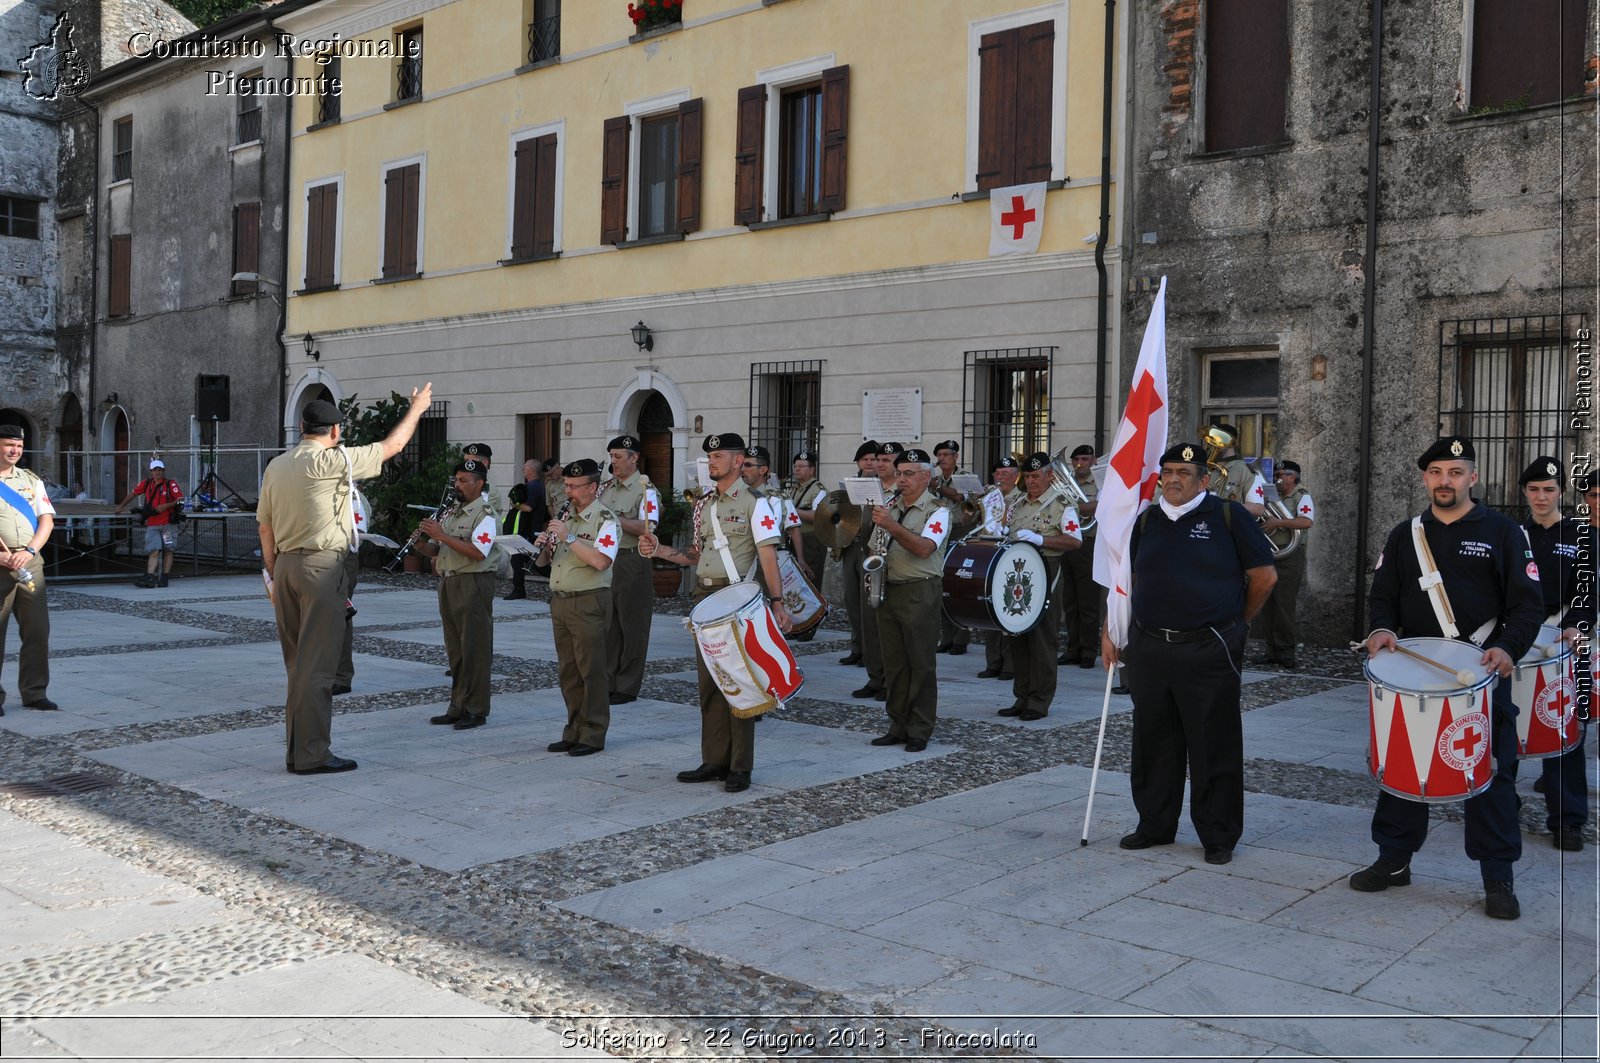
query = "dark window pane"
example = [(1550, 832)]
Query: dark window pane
[(1247, 73), (800, 161), (1526, 53), (1244, 378), (19, 217), (658, 171)]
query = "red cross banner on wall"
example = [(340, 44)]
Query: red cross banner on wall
[(1016, 219)]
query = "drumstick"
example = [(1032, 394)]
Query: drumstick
[(1464, 677)]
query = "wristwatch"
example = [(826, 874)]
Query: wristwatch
[(31, 550)]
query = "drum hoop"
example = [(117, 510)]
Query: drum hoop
[(755, 592)]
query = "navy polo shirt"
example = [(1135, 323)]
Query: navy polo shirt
[(1489, 574), (1564, 552), (1189, 573)]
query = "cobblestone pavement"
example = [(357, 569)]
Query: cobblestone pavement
[(470, 896)]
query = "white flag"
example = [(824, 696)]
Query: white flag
[(1133, 470), (1016, 218)]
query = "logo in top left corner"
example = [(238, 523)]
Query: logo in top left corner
[(54, 67)]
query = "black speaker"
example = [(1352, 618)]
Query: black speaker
[(211, 397)]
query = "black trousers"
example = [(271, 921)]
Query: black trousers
[(1186, 714)]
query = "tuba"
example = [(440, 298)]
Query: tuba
[(872, 565), (1064, 485), (1218, 440), (1276, 510)]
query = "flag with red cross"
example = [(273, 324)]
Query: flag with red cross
[(1016, 219)]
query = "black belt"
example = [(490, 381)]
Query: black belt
[(1167, 634)]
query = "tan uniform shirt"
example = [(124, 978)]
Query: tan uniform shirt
[(1298, 503), (476, 521), (806, 496), (569, 573), (744, 520), (929, 517), (305, 494), (623, 498), (1048, 515), (1244, 483), (555, 496), (14, 527)]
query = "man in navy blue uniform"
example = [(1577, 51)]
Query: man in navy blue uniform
[(1564, 550), (1494, 601), (1201, 571)]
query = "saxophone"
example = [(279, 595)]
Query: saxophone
[(872, 565)]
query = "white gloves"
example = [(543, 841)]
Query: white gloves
[(1028, 535)]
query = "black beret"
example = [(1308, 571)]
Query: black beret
[(1544, 468), (1181, 453), (807, 455), (1587, 482), (1289, 466), (761, 454), (868, 449), (890, 448), (1450, 448), (1082, 449), (1036, 461), (624, 443), (948, 444), (1007, 462), (478, 450), (10, 431), (320, 414), (581, 467), (476, 468), (912, 456), (549, 463), (730, 441)]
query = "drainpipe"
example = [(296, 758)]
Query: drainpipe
[(283, 260), (92, 223), (1102, 317), (1369, 304)]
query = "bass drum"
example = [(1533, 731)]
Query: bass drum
[(996, 586)]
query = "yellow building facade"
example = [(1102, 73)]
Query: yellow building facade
[(792, 196)]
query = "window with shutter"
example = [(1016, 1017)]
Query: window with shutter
[(835, 122), (120, 303), (614, 181), (1016, 97), (1247, 73), (747, 159), (1526, 54), (800, 151), (246, 246), (322, 217), (402, 217), (690, 122), (534, 207)]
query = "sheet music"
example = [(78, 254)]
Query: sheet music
[(966, 483), (514, 544), (378, 540), (864, 490)]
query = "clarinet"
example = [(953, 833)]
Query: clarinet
[(447, 501), (544, 540)]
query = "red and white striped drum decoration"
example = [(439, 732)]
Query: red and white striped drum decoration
[(1429, 734)]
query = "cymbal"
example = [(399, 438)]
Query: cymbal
[(838, 521)]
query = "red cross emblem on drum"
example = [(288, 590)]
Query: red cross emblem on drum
[(1463, 742)]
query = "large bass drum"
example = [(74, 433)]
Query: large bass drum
[(743, 649), (996, 586)]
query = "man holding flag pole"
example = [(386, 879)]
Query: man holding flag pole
[(1180, 606)]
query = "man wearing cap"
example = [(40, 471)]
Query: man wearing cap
[(1277, 616), (1201, 571), (732, 529), (555, 494), (804, 494), (1081, 596), (461, 540), (850, 559), (581, 552), (162, 496), (483, 454), (305, 525), (630, 496), (1491, 597), (1044, 519), (997, 644), (871, 649), (953, 637), (1240, 483), (917, 524), (26, 520), (1563, 548)]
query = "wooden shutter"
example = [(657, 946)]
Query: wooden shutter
[(1247, 73), (835, 123), (1519, 53), (523, 198), (393, 210), (121, 301), (614, 181), (246, 244), (690, 121), (997, 109), (544, 195), (411, 217), (1036, 60), (748, 158), (322, 214)]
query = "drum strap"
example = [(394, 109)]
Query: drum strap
[(1432, 583), (719, 542)]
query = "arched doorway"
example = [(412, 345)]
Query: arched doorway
[(114, 482), (655, 438), (69, 444), (645, 405), (20, 419), (316, 384)]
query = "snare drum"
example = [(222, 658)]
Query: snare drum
[(1545, 694), (743, 649), (801, 601), (996, 586), (1429, 734)]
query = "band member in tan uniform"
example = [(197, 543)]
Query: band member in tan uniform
[(21, 538), (953, 637), (461, 541), (850, 559), (633, 592)]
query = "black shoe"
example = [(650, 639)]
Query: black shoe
[(943, 647), (583, 749), (989, 673), (705, 773), (1380, 876), (881, 695), (1031, 714), (868, 691), (854, 658), (1568, 839), (1500, 902), (467, 723), (1120, 688), (327, 767), (446, 718), (146, 581), (738, 781), (1538, 785), (1219, 854), (340, 689), (561, 746), (161, 582), (514, 596), (887, 740), (1086, 664), (451, 672), (1063, 659), (1006, 677), (956, 650), (43, 704), (1289, 664), (916, 745), (1141, 841), (1012, 710), (623, 699)]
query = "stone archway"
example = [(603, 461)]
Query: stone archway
[(649, 387), (316, 383)]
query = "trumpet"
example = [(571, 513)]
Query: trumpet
[(872, 582), (447, 502)]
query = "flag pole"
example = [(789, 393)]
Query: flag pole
[(1099, 745)]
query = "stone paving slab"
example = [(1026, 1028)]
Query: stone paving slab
[(180, 588), (88, 629), (376, 608)]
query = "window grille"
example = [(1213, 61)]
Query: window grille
[(544, 32), (431, 434), (785, 409), (1005, 404)]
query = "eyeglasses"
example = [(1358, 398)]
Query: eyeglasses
[(751, 465)]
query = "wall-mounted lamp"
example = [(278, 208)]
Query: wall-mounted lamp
[(643, 337), (309, 342), (566, 428), (699, 424), (109, 401)]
